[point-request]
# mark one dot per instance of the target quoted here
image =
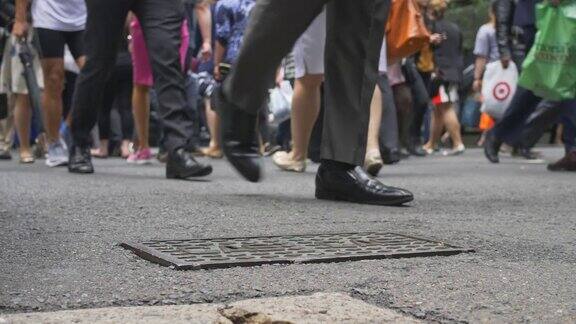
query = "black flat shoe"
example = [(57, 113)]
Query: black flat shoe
[(492, 148), (390, 156), (182, 165), (526, 153), (353, 184), (80, 160), (5, 154), (416, 150), (239, 140)]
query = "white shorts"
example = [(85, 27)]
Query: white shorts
[(11, 78), (309, 49)]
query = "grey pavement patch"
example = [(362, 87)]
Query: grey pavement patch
[(214, 253), (59, 234), (317, 308)]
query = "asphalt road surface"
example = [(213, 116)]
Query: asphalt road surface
[(59, 236)]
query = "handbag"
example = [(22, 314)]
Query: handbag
[(406, 32)]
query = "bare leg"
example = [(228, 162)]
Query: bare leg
[(53, 69), (452, 124), (436, 127), (141, 111), (22, 117), (214, 124), (125, 149), (305, 110), (373, 143)]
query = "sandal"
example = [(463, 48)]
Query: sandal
[(26, 159), (97, 153)]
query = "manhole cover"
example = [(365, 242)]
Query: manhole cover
[(251, 251)]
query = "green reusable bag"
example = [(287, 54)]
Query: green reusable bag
[(550, 68)]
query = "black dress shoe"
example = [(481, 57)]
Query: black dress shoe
[(5, 154), (239, 139), (353, 184), (182, 165), (390, 156), (416, 150), (492, 147), (80, 160), (526, 153)]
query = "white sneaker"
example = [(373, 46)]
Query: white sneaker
[(284, 161), (57, 154)]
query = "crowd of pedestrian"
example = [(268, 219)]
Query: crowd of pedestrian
[(121, 77)]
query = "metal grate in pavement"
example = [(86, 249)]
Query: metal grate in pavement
[(213, 253)]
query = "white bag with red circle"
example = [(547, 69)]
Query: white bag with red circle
[(498, 88)]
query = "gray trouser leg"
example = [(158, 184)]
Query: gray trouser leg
[(354, 37), (546, 114), (161, 22), (389, 138)]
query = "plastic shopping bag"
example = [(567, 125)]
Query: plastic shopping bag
[(498, 88), (280, 103), (550, 68)]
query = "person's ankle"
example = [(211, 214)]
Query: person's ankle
[(297, 156), (25, 151)]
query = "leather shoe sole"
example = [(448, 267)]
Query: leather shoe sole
[(392, 201), (81, 170), (196, 172)]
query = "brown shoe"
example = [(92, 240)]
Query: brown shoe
[(567, 163)]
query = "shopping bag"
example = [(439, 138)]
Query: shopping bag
[(550, 67), (406, 31), (498, 88), (280, 103)]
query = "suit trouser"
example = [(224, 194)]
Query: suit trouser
[(355, 30), (161, 22), (546, 114), (528, 117), (389, 135), (569, 132)]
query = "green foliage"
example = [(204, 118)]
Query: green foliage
[(469, 15)]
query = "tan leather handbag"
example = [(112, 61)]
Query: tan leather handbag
[(406, 32)]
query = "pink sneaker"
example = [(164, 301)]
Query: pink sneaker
[(140, 157), (132, 158)]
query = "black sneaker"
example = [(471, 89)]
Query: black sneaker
[(80, 160)]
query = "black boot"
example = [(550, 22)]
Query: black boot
[(80, 160), (339, 181), (182, 165), (239, 139), (492, 147), (567, 163), (416, 150)]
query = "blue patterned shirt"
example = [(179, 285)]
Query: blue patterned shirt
[(231, 21)]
